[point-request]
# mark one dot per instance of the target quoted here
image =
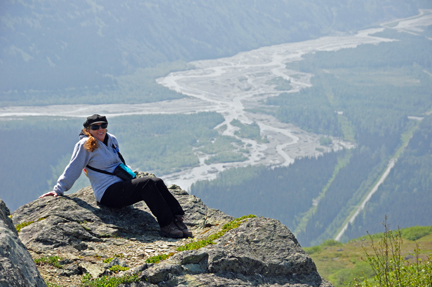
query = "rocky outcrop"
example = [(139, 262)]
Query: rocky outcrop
[(16, 265), (90, 241)]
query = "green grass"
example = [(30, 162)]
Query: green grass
[(52, 284), (204, 242), (209, 240), (411, 233), (18, 227), (331, 242), (107, 281), (158, 258), (416, 232), (313, 249), (52, 260), (341, 263), (108, 260), (390, 267), (85, 227)]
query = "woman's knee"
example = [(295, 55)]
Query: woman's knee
[(142, 183), (158, 181)]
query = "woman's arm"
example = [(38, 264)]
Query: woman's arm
[(80, 158)]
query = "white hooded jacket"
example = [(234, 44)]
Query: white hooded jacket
[(105, 157)]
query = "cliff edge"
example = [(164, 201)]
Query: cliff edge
[(74, 240)]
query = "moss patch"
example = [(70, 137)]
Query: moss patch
[(22, 225), (118, 268), (199, 244)]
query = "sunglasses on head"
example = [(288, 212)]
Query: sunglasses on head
[(96, 127)]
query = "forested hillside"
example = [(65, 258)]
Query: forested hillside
[(283, 193), (365, 95), (93, 51), (26, 156), (408, 187)]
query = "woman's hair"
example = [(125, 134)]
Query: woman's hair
[(91, 144)]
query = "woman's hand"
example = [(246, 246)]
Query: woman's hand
[(51, 193)]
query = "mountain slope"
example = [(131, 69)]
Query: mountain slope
[(80, 47), (409, 184), (341, 263)]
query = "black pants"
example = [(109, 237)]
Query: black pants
[(152, 190)]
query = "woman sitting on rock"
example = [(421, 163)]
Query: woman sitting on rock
[(97, 152)]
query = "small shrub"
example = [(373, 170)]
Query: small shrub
[(107, 281), (388, 266), (236, 222), (108, 260), (86, 277), (410, 233), (118, 268), (198, 244), (416, 232), (52, 260), (158, 258)]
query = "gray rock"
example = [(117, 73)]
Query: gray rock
[(261, 251), (161, 272), (17, 267), (95, 270), (261, 246), (72, 269)]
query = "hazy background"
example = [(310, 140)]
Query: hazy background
[(83, 46), (111, 52)]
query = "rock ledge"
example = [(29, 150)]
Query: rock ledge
[(84, 237)]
